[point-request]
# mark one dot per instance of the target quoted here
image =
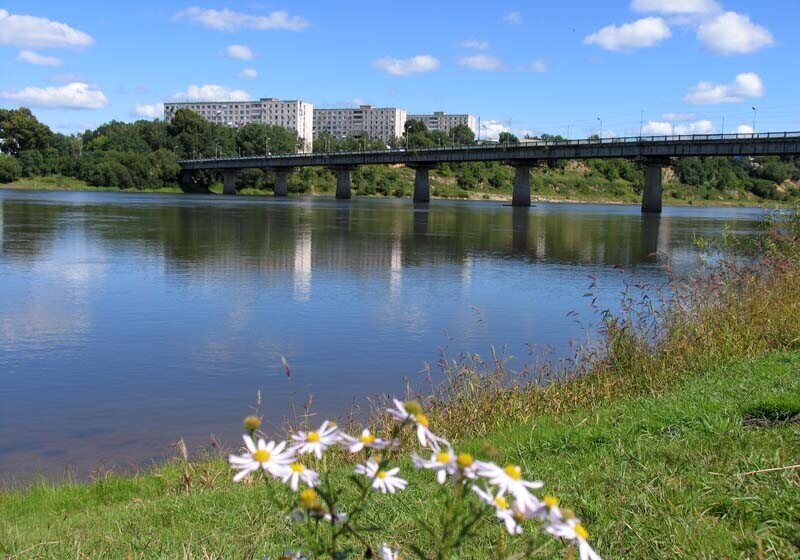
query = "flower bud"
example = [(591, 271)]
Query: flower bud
[(252, 423)]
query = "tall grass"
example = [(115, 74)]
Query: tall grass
[(744, 303)]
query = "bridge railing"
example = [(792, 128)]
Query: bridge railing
[(537, 143)]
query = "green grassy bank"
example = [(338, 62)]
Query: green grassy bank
[(684, 473), (557, 185)]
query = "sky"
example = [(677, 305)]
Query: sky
[(569, 67)]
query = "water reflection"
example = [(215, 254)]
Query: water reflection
[(156, 317)]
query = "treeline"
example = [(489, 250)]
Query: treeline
[(144, 154)]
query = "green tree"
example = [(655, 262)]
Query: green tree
[(507, 138), (21, 131), (462, 135), (10, 169)]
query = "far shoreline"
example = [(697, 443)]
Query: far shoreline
[(47, 184)]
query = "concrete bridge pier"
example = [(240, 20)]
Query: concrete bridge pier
[(521, 195), (422, 183), (343, 190), (281, 187), (229, 181), (652, 194)]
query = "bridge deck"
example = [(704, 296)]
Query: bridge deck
[(761, 144)]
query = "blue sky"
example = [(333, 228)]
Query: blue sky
[(682, 65)]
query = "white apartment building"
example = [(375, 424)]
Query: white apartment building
[(376, 122), (440, 120), (294, 115)]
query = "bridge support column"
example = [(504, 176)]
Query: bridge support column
[(281, 187), (343, 190), (652, 194), (521, 195), (422, 183), (229, 181)]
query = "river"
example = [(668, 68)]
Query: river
[(128, 321)]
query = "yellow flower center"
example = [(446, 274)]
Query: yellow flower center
[(308, 498), (412, 407), (313, 437), (421, 419), (261, 455), (297, 467), (581, 531), (550, 501), (382, 474), (465, 460), (514, 472), (501, 502), (443, 457), (367, 438)]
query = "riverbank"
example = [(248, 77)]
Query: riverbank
[(683, 473), (441, 188)]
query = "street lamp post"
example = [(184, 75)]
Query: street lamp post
[(755, 111), (600, 136), (641, 122)]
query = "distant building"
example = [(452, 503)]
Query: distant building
[(383, 123), (446, 122), (294, 115)]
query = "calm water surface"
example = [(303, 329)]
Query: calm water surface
[(128, 321)]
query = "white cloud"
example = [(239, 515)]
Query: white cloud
[(32, 57), (211, 92), (227, 20), (745, 86), (475, 44), (248, 74), (405, 66), (662, 128), (32, 31), (537, 65), (490, 130), (732, 33), (239, 52), (678, 117), (646, 32), (512, 18), (76, 95), (676, 7), (482, 62), (149, 111), (744, 129)]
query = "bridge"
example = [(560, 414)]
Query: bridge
[(654, 152)]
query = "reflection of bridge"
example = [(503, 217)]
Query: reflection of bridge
[(654, 152)]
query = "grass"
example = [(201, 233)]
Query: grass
[(61, 183), (671, 475)]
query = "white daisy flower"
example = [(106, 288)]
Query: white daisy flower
[(317, 441), (366, 439), (509, 479), (442, 461), (573, 531), (411, 411), (296, 473), (509, 515), (389, 554), (384, 481), (270, 457)]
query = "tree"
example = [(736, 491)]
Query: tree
[(462, 135), (257, 139), (10, 169), (507, 138), (20, 131), (191, 133)]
